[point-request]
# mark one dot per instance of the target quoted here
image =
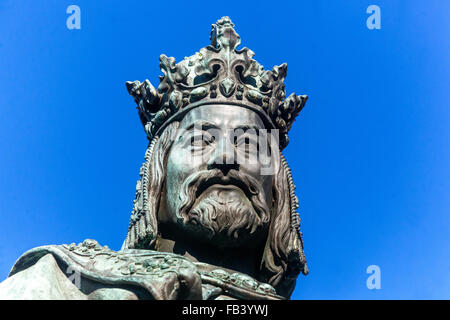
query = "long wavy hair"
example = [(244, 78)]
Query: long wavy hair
[(283, 257)]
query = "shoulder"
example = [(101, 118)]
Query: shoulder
[(42, 279)]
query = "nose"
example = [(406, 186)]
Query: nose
[(223, 157)]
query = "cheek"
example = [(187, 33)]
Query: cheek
[(179, 166), (268, 187), (184, 161), (173, 182)]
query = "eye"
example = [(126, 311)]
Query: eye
[(200, 141), (246, 143)]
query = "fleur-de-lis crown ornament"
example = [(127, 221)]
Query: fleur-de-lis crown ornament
[(218, 74)]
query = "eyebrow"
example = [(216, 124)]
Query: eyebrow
[(204, 125), (246, 127)]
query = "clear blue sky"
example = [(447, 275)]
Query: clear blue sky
[(369, 153)]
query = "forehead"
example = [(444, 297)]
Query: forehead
[(222, 116)]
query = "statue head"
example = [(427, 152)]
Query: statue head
[(213, 170)]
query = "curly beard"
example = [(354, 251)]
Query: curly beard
[(230, 210)]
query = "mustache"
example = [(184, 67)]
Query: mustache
[(198, 182)]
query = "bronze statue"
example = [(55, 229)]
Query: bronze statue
[(215, 211)]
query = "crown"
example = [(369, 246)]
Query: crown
[(218, 74)]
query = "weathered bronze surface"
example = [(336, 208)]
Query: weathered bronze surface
[(214, 215)]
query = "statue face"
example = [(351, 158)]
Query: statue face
[(214, 188)]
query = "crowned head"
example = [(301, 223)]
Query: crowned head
[(214, 170)]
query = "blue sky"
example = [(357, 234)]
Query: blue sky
[(369, 153)]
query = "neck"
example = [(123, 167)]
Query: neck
[(241, 260)]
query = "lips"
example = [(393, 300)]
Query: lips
[(225, 182)]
